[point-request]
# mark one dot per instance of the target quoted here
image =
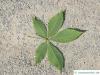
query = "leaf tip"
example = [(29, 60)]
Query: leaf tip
[(78, 30), (63, 10), (63, 13), (34, 17), (83, 31)]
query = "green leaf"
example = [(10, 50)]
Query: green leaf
[(55, 57), (56, 23), (40, 27), (67, 35), (40, 52)]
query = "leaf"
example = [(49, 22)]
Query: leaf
[(55, 57), (40, 52), (56, 23), (67, 35), (40, 27)]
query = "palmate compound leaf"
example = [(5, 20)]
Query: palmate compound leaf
[(67, 35), (40, 52), (40, 27), (55, 56), (56, 23)]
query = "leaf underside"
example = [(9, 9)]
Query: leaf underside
[(56, 23), (67, 35), (40, 52), (40, 27), (55, 56)]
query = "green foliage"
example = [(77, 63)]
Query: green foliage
[(55, 56), (40, 27), (40, 52), (55, 23), (67, 35)]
